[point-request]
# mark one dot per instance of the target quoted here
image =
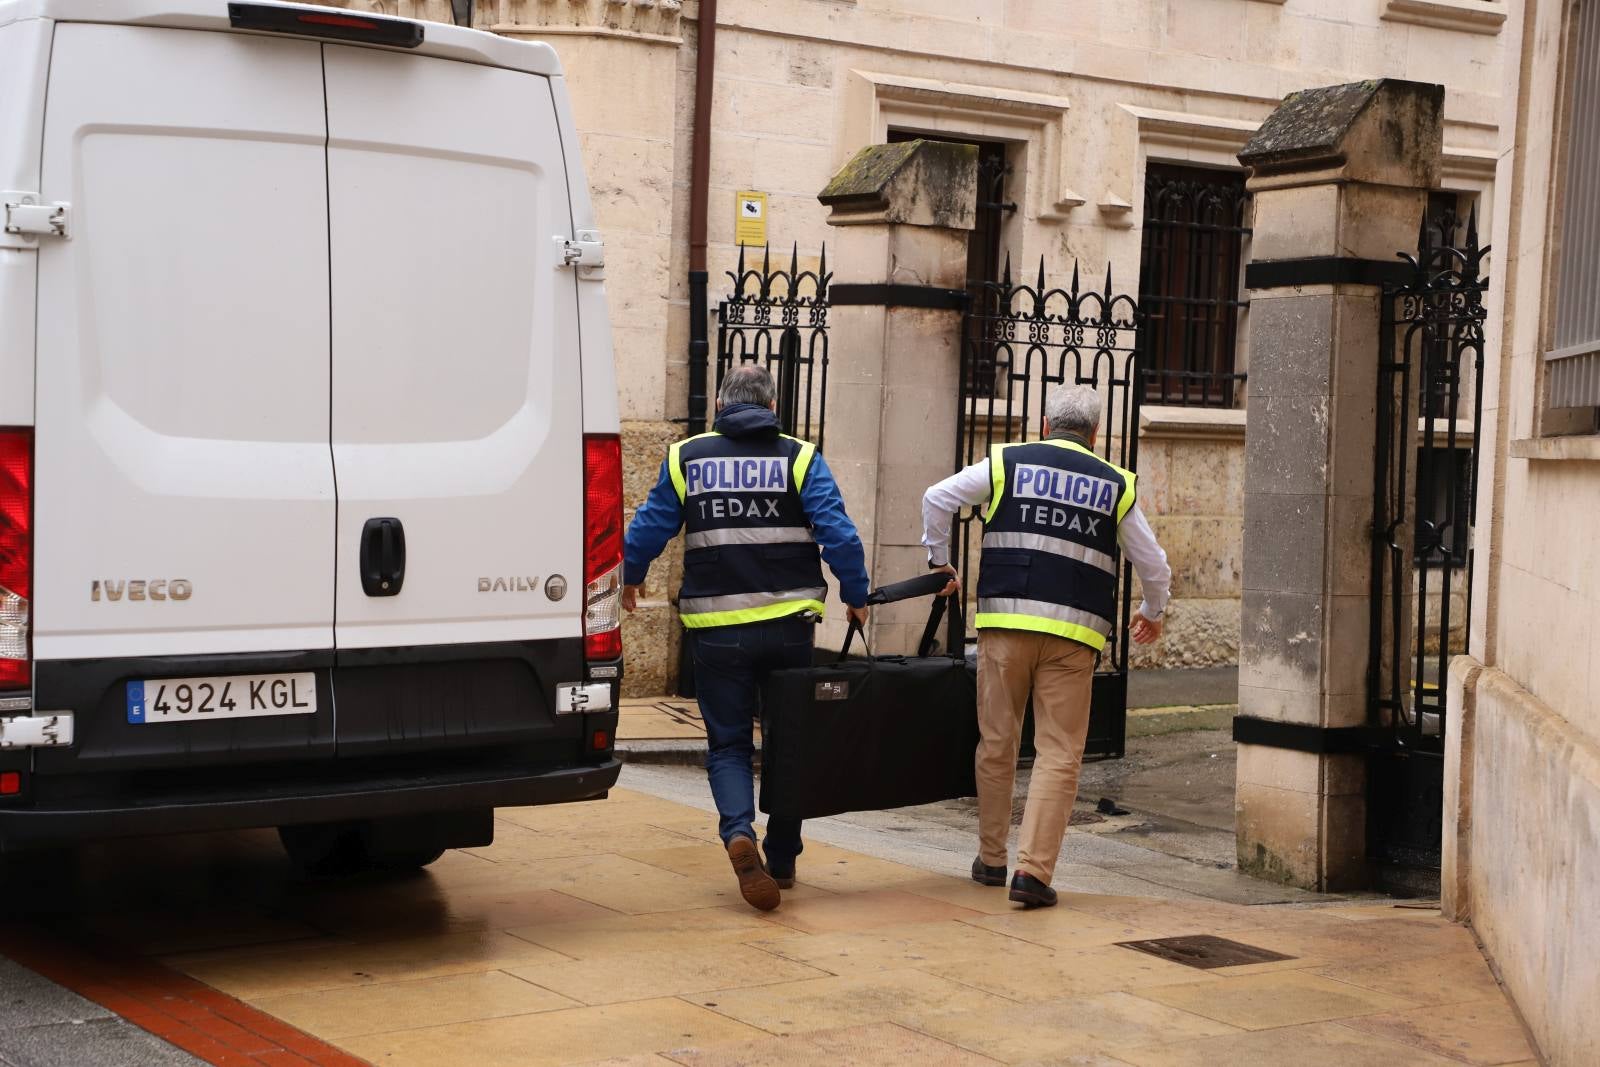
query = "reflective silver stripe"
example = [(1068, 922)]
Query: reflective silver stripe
[(1007, 605), (749, 535), (1045, 543), (705, 605)]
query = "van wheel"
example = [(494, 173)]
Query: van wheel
[(413, 860), (326, 849)]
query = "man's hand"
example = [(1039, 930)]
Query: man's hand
[(630, 597), (954, 584), (1144, 631), (857, 615)]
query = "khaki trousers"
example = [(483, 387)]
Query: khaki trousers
[(1060, 675)]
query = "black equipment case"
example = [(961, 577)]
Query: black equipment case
[(864, 735)]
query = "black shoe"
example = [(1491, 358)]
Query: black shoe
[(1031, 893), (984, 874), (784, 878)]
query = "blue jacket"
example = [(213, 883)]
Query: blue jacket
[(660, 518)]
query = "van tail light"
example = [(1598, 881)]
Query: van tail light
[(16, 557), (602, 546), (334, 25)]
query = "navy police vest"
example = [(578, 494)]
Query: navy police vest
[(749, 554), (1050, 541)]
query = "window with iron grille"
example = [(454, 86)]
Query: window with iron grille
[(1572, 361), (1189, 284)]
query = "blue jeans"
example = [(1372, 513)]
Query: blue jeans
[(729, 663)]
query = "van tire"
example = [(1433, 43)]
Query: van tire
[(326, 849), (342, 849)]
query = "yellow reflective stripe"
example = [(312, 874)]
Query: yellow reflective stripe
[(675, 463), (745, 615), (802, 463), (675, 470), (997, 478), (1081, 634), (1127, 495)]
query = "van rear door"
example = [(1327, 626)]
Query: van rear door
[(184, 486), (456, 401)]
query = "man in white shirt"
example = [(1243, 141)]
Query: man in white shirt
[(1055, 515)]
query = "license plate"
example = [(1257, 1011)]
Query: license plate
[(235, 696)]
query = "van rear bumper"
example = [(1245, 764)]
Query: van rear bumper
[(218, 808)]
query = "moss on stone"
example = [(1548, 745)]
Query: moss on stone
[(868, 171)]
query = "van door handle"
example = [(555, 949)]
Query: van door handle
[(383, 557)]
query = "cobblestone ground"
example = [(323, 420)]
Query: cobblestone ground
[(612, 932)]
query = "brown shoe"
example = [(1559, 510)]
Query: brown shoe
[(755, 884)]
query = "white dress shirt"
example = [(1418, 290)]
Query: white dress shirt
[(973, 485)]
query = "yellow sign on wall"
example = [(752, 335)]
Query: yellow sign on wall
[(750, 218)]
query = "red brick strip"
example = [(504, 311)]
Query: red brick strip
[(191, 1015)]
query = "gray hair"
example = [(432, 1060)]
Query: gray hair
[(747, 383), (1073, 409)]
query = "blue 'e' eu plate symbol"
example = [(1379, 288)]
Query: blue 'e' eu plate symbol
[(136, 702)]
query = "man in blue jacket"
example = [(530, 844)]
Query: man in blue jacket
[(761, 513)]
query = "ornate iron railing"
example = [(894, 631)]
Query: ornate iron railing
[(779, 318), (1429, 407)]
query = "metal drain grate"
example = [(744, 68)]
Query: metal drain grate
[(1205, 951)]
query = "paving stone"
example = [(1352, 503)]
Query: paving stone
[(1317, 1045), (1106, 1021), (908, 945), (653, 931), (628, 886), (556, 1037), (859, 1046), (484, 907), (1478, 1032), (904, 997), (252, 976), (1074, 973), (680, 971), (1062, 928), (864, 911), (332, 1014), (1266, 1001), (1444, 979)]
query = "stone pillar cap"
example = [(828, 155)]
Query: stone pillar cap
[(916, 183), (1384, 131)]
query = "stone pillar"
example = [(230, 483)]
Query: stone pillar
[(905, 212), (1340, 177)]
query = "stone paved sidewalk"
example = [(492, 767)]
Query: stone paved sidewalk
[(613, 932)]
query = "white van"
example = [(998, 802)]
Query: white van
[(310, 478)]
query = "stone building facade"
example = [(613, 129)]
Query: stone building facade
[(1085, 104), (1522, 768)]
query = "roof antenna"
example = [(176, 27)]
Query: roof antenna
[(461, 11)]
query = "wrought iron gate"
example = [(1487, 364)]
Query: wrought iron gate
[(1425, 495), (778, 318), (1017, 341)]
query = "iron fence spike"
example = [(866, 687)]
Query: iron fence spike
[(1041, 274), (1074, 277), (1472, 229)]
